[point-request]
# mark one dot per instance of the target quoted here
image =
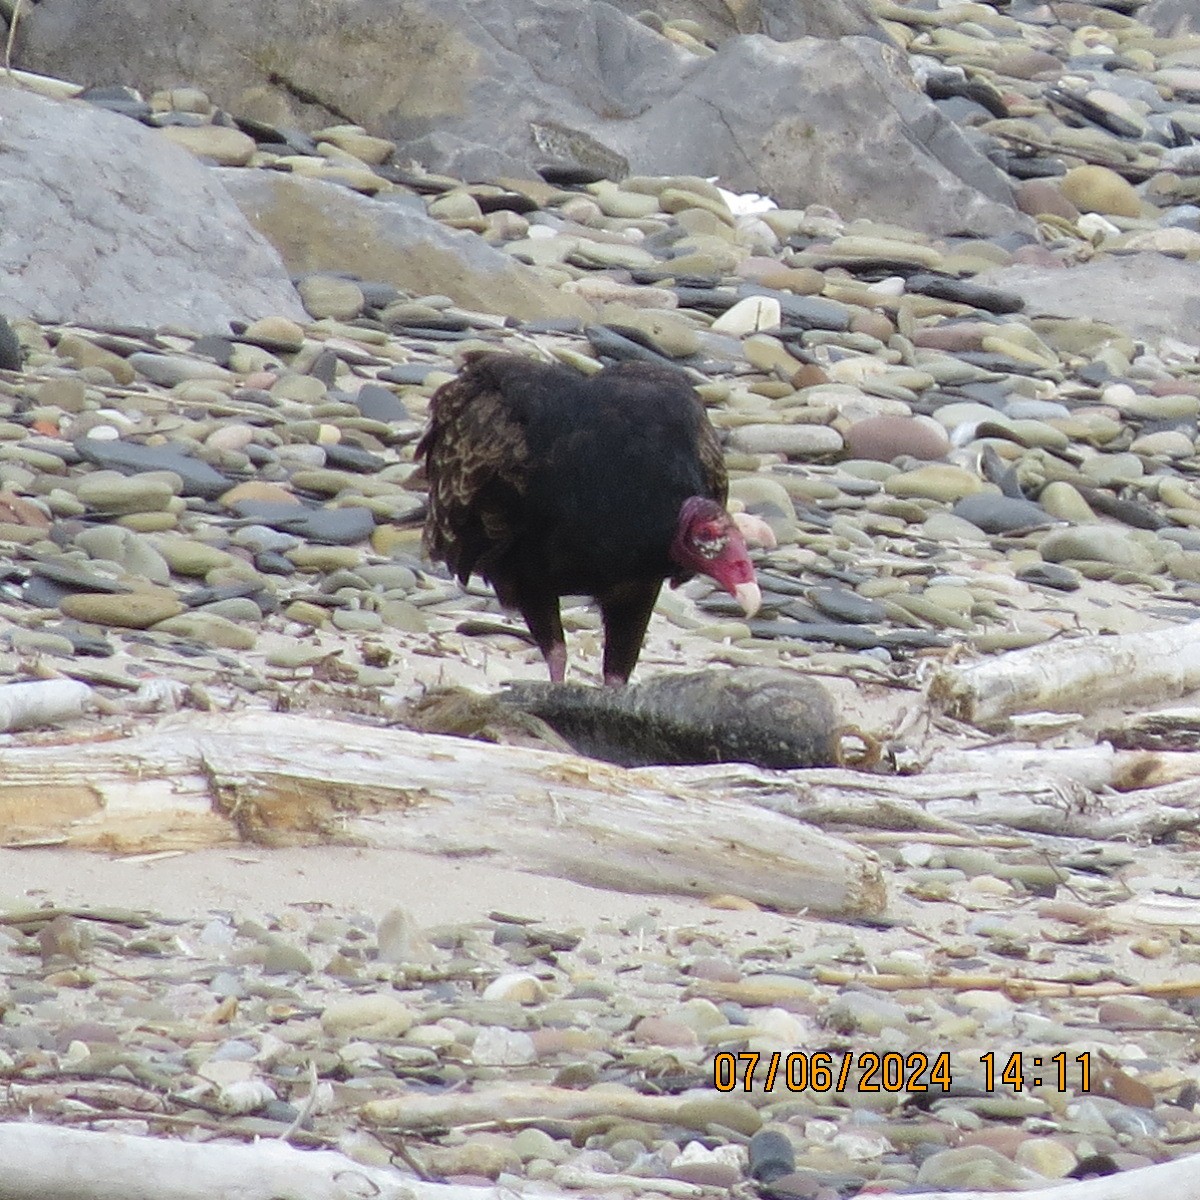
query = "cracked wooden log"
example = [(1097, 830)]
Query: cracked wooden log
[(285, 779)]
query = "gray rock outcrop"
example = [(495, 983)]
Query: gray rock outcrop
[(483, 89), (106, 222)]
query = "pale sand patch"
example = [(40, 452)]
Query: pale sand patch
[(250, 881)]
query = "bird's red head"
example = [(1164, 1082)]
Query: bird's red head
[(708, 543)]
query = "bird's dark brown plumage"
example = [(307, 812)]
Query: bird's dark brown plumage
[(547, 482)]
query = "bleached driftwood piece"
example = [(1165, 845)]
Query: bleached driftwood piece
[(41, 702), (415, 1112), (1093, 767), (40, 1161), (1177, 727), (290, 779), (1080, 675), (44, 85), (200, 780), (1041, 800)]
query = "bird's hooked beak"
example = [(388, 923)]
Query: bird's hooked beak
[(749, 596), (734, 571)]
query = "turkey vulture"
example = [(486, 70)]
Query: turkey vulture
[(548, 483)]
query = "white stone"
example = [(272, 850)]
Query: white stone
[(519, 987), (498, 1047), (792, 441), (751, 315)]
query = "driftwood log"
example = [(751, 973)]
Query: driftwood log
[(42, 702), (289, 779), (1079, 675), (38, 1162), (41, 1161), (272, 778), (423, 1113), (1066, 793)]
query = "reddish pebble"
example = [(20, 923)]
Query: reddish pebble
[(1174, 386), (953, 335), (1003, 1139), (1028, 64), (258, 489), (885, 438), (1037, 256), (16, 510), (549, 1042), (756, 266), (874, 324), (716, 970), (1036, 196), (660, 1031), (808, 375)]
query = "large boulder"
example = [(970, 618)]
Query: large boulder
[(810, 121), (488, 88), (106, 222), (318, 226), (1172, 18), (1147, 295)]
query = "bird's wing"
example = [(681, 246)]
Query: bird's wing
[(476, 461)]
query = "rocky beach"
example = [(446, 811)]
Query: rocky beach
[(932, 269)]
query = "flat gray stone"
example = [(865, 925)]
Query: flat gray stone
[(328, 526), (1001, 514), (199, 479)]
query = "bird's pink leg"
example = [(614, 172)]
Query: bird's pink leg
[(556, 660), (541, 615)]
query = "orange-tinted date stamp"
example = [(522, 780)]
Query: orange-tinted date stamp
[(869, 1071)]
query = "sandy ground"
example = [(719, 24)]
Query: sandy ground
[(254, 883)]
